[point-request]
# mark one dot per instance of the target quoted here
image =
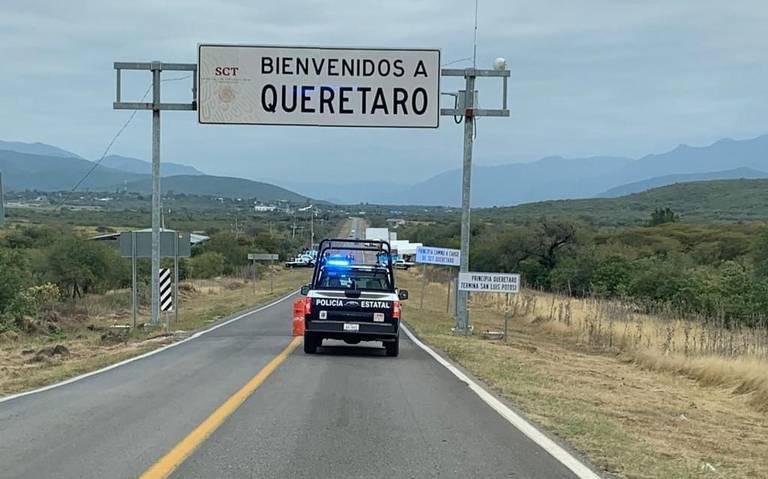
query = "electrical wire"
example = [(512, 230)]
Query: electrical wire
[(120, 131), (456, 61)]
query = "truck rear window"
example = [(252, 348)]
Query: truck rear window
[(355, 279)]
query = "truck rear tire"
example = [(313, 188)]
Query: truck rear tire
[(392, 347), (310, 343)]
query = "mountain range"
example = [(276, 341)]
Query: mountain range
[(555, 177), (47, 167), (37, 166)]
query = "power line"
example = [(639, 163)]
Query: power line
[(457, 61), (113, 140)]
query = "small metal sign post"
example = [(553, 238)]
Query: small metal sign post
[(438, 256), (139, 244), (505, 283), (271, 257)]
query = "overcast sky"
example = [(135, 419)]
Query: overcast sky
[(589, 77)]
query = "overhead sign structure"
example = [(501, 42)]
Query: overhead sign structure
[(439, 256), (262, 257), (344, 87), (489, 282)]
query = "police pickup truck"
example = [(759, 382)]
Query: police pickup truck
[(352, 296)]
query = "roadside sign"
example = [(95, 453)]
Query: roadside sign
[(317, 86), (262, 257), (440, 256), (166, 292), (144, 244), (489, 282)]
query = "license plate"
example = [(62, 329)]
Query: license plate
[(351, 327), (378, 317)]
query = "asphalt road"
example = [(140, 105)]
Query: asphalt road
[(348, 412)]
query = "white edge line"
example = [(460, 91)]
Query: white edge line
[(145, 355), (550, 446)]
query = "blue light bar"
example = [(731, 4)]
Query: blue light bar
[(337, 262)]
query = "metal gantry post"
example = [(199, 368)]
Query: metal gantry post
[(462, 316), (156, 69), (156, 105), (469, 111)]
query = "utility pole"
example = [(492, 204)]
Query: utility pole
[(466, 108), (156, 106)]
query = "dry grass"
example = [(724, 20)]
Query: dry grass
[(638, 412), (81, 328), (701, 349)]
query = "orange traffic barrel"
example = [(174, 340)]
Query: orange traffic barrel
[(298, 316)]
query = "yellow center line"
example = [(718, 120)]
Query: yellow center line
[(181, 451)]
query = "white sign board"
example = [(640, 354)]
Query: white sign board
[(489, 282), (262, 257), (441, 256), (273, 85)]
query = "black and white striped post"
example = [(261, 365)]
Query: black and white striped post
[(166, 290)]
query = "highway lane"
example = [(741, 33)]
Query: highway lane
[(116, 424), (348, 412), (351, 412)]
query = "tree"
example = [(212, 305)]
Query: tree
[(207, 265), (662, 216), (760, 256), (80, 266), (14, 279)]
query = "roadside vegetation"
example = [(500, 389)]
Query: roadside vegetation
[(713, 273), (644, 343), (65, 304), (642, 395)]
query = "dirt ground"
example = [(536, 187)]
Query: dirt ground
[(632, 420)]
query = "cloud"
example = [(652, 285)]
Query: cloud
[(588, 77)]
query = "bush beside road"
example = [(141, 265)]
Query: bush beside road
[(638, 412)]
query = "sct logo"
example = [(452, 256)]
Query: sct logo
[(226, 71)]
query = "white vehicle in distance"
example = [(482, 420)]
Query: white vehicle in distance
[(403, 264)]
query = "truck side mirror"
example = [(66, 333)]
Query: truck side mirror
[(402, 294), (305, 290)]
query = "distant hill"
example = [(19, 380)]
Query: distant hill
[(551, 177), (638, 186), (380, 192), (135, 165), (562, 178), (36, 149), (219, 186), (23, 171), (696, 202)]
